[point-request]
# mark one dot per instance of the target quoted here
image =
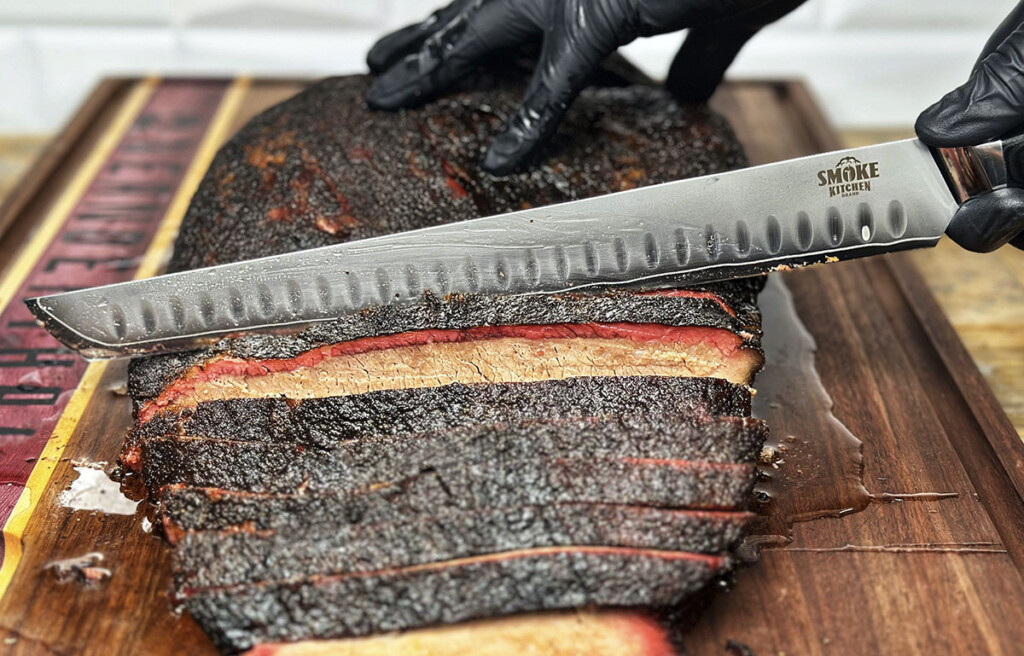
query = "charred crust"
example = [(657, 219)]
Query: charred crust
[(282, 467), (321, 168), (241, 616), (297, 519), (324, 422), (246, 554)]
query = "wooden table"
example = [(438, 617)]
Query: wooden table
[(930, 563)]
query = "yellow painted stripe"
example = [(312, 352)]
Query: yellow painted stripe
[(12, 279), (40, 476), (215, 135), (155, 255)]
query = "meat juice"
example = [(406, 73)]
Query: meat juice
[(812, 466)]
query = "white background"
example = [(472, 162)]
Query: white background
[(872, 63)]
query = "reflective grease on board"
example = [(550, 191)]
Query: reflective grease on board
[(812, 466)]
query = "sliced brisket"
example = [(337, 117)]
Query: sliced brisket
[(244, 554), (594, 632), (674, 484), (238, 617), (276, 467), (325, 422), (466, 456), (728, 307), (489, 354)]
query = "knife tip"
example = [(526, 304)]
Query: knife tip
[(36, 308)]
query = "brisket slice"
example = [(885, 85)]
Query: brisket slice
[(594, 632), (674, 484), (486, 354), (246, 555), (553, 578), (731, 309), (679, 483), (325, 422), (276, 467)]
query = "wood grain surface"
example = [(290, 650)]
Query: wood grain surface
[(982, 294), (908, 575)]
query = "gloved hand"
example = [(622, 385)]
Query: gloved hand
[(989, 106), (420, 61)]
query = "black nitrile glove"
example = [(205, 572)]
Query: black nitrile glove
[(421, 61), (989, 106)]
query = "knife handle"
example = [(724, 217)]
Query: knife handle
[(974, 170)]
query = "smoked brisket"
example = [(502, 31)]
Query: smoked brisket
[(465, 456), (319, 168), (356, 604), (674, 484), (283, 466), (325, 422), (591, 631), (243, 554), (727, 306)]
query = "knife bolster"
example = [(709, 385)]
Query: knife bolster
[(973, 170)]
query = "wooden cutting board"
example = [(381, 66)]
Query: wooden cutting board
[(918, 543)]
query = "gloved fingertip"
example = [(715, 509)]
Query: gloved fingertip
[(928, 127), (986, 222), (377, 59), (508, 153), (399, 86), (389, 49), (379, 96), (973, 113), (949, 123)]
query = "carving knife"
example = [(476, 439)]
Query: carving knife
[(822, 208)]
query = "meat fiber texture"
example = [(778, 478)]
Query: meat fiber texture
[(467, 456)]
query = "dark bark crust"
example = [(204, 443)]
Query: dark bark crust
[(688, 485), (320, 168), (263, 467), (554, 480), (300, 550), (238, 618), (480, 485), (324, 422)]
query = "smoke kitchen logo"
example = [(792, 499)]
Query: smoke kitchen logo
[(850, 177)]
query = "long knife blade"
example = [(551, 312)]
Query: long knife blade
[(837, 205)]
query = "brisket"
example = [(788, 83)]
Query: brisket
[(594, 632), (325, 422), (263, 467), (244, 554), (319, 168), (728, 307), (334, 606), (465, 456), (679, 484), (487, 354), (552, 480)]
